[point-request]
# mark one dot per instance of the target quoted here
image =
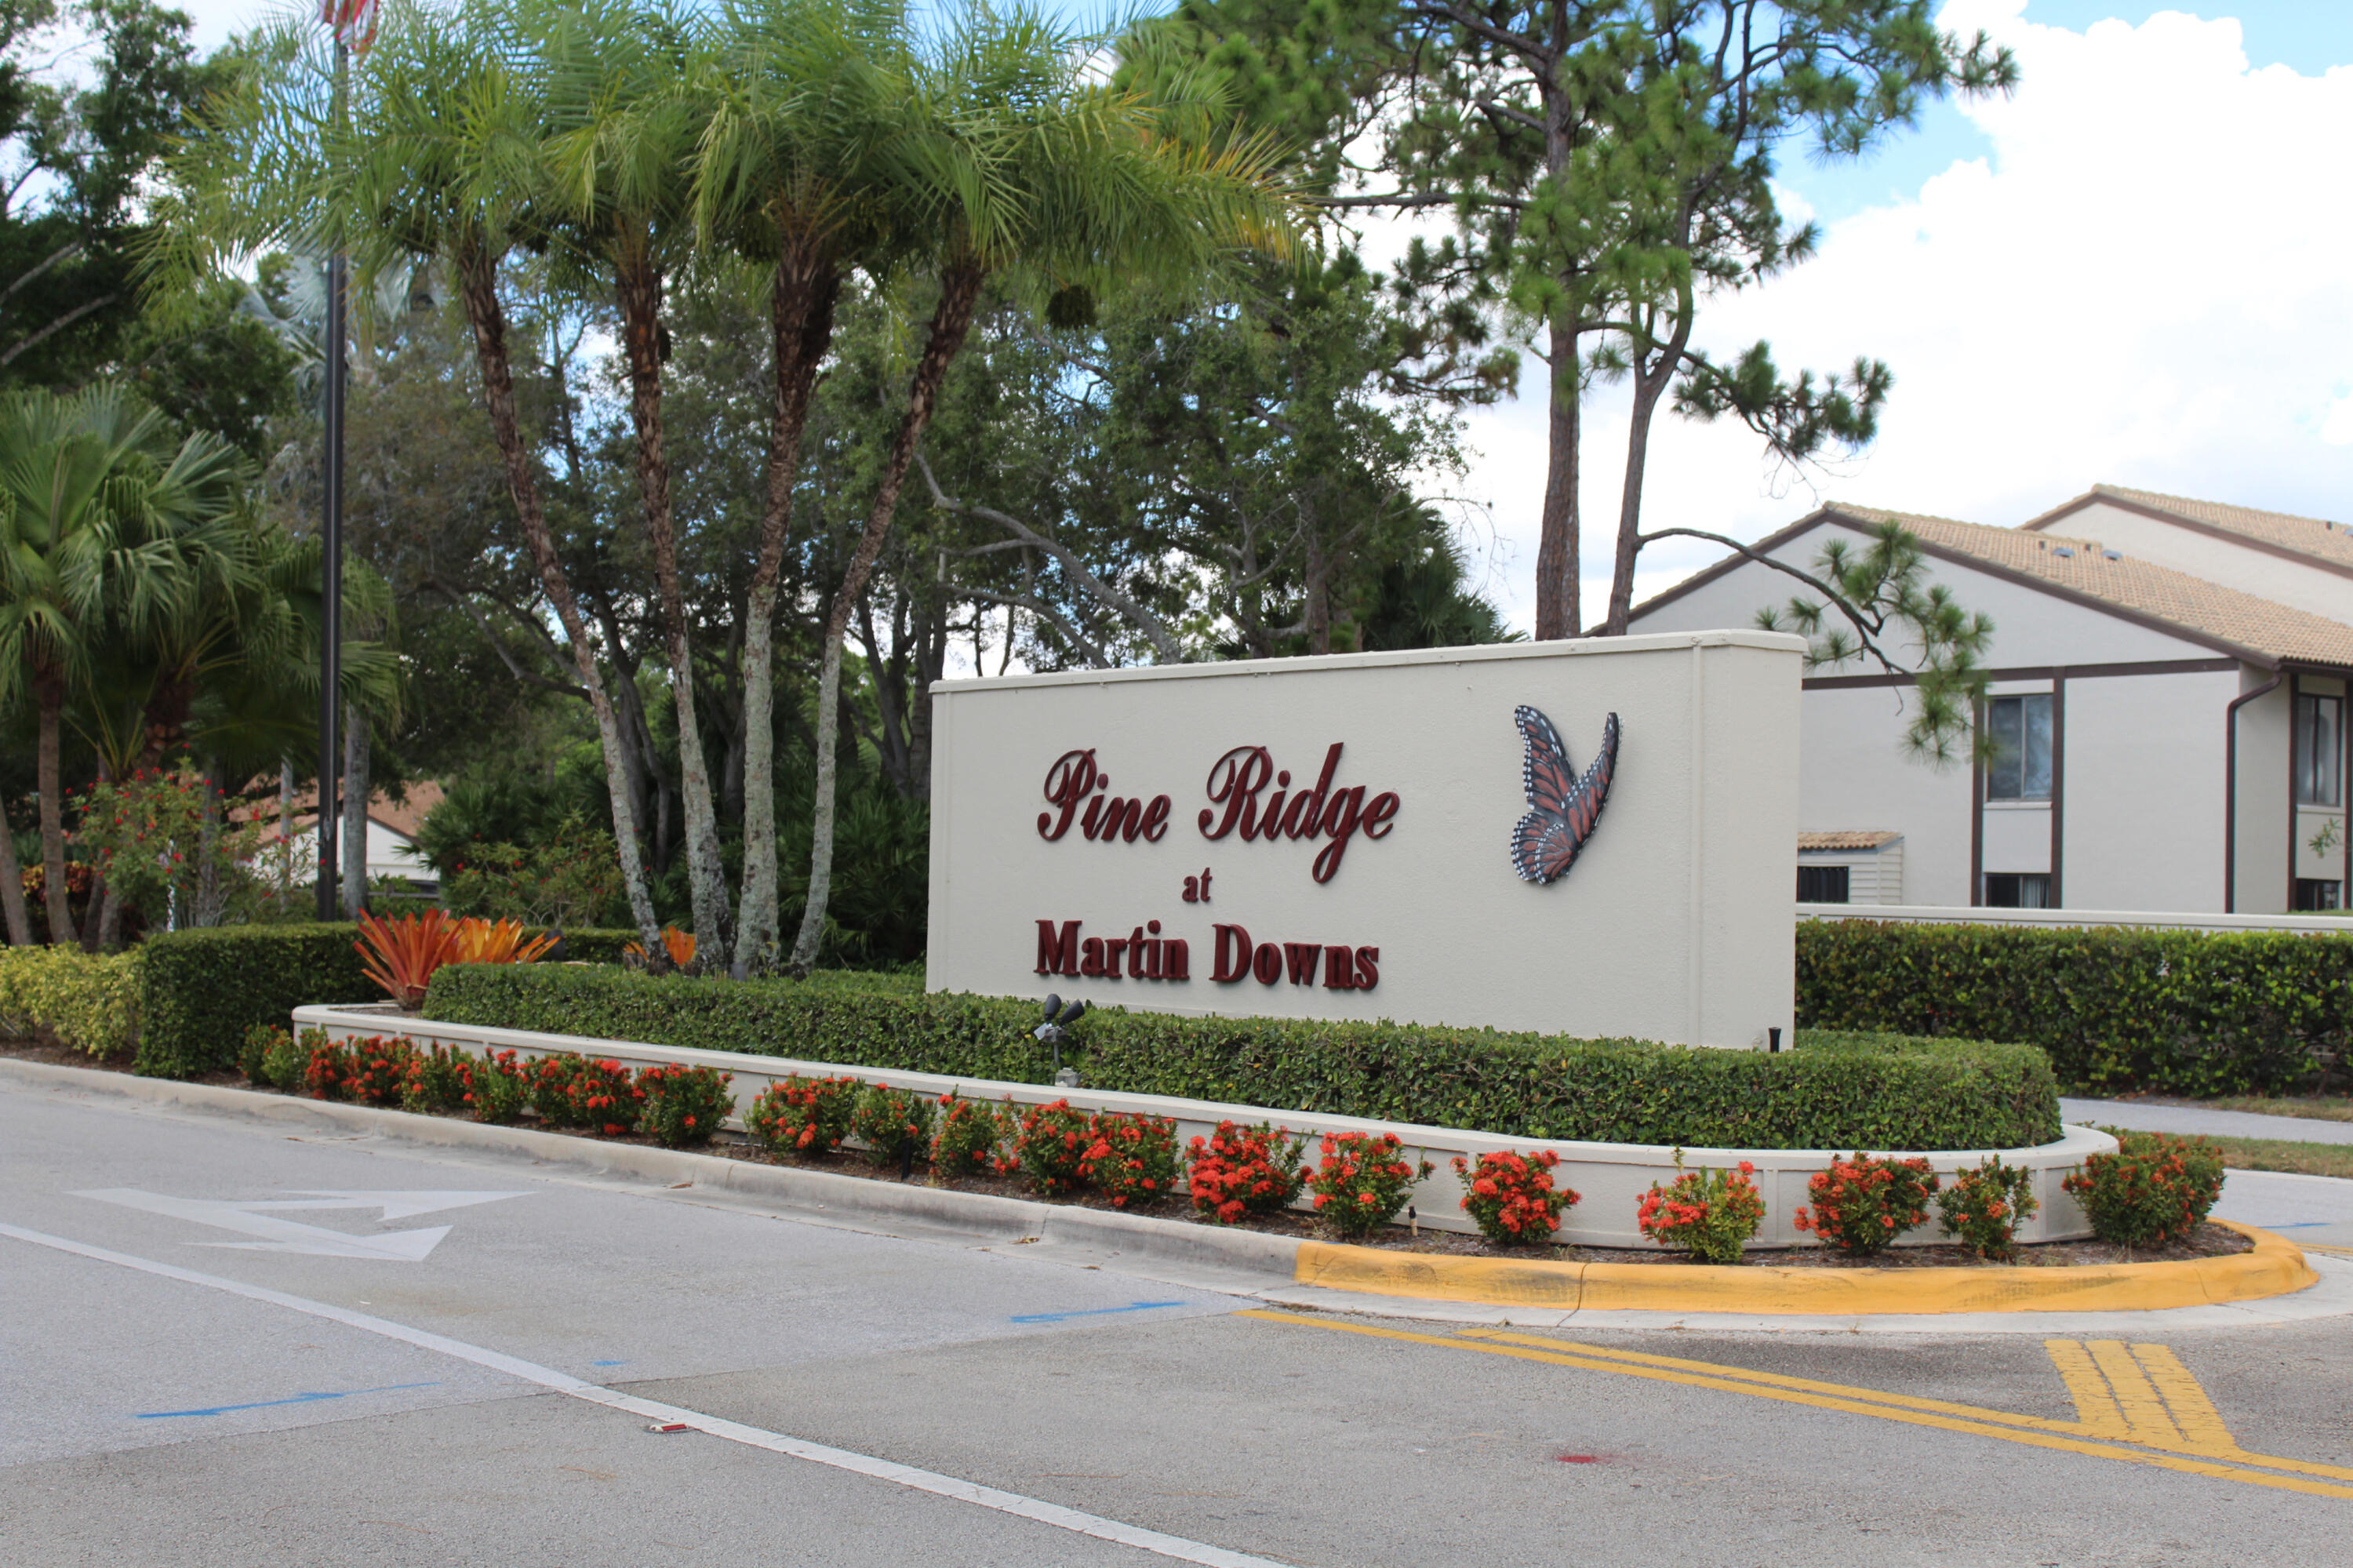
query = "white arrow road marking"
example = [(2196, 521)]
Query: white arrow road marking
[(258, 1218)]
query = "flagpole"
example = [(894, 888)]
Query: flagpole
[(330, 620)]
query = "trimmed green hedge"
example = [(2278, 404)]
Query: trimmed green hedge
[(1834, 1092), (2183, 1012), (200, 991)]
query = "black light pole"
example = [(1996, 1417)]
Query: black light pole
[(330, 570)]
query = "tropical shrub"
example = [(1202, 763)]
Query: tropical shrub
[(551, 1087), (326, 1066), (1511, 1196), (498, 1087), (803, 1116), (434, 1080), (1362, 1182), (682, 1105), (86, 1001), (378, 1070), (483, 941), (1861, 1204), (1051, 1144), (1131, 1159), (677, 946), (972, 1137), (895, 1124), (168, 844), (287, 1055), (571, 878), (1239, 1171), (1709, 1213), (401, 954), (571, 1090), (253, 1054), (2154, 1191), (1981, 1209)]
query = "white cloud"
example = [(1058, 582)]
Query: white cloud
[(2145, 283)]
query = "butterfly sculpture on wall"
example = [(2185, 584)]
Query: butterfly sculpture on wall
[(1562, 806)]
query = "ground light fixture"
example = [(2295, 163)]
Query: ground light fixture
[(1059, 1018)]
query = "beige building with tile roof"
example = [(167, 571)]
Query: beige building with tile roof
[(2170, 736)]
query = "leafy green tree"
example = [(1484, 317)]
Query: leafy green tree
[(1605, 164), (1013, 161)]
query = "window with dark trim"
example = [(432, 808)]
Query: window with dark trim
[(2318, 893), (2021, 730), (2319, 749), (2018, 890), (1822, 885)]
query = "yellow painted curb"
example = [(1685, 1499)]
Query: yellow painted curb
[(2274, 1267)]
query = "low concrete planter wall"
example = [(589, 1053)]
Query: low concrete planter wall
[(1611, 1177)]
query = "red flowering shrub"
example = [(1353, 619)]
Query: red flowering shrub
[(571, 1090), (434, 1080), (326, 1068), (378, 1067), (551, 1087), (1050, 1145), (971, 1138), (680, 1106), (2152, 1191), (1512, 1197), (254, 1055), (893, 1124), (1707, 1214), (1131, 1160), (498, 1087), (1362, 1180), (1861, 1204), (1982, 1207), (802, 1116), (1240, 1171)]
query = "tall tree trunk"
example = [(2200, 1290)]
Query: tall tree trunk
[(356, 790), (1556, 546), (640, 290), (476, 271), (951, 320), (1318, 573), (285, 837), (800, 317), (206, 903), (12, 886), (1652, 379), (49, 696)]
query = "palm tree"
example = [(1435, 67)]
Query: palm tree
[(622, 84), (444, 157), (803, 93), (1011, 159), (96, 502)]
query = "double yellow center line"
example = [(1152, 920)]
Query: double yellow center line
[(2139, 1407)]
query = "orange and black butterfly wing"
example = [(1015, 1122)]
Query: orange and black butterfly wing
[(1563, 806)]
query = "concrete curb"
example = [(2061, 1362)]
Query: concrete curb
[(2275, 1268)]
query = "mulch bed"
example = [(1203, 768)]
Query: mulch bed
[(2209, 1240)]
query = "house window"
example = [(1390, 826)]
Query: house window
[(1822, 884), (2018, 890), (2021, 769), (2319, 749), (2319, 893)]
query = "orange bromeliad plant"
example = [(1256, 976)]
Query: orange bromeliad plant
[(678, 944), (401, 954), (483, 941)]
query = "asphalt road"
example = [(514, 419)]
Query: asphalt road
[(220, 1346)]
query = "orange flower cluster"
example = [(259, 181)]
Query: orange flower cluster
[(1131, 1159), (803, 1116), (1709, 1213), (1051, 1143), (1361, 1183), (1862, 1203), (1982, 1207), (2154, 1191), (971, 1138), (376, 1070), (1512, 1198), (680, 1105), (1239, 1171), (894, 1124)]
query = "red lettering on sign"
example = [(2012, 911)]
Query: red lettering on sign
[(1232, 954), (1368, 973), (1058, 951), (1377, 814), (1302, 958), (1235, 780), (1068, 782), (1091, 960), (1339, 972), (1177, 962), (1156, 820), (1341, 815), (1267, 963)]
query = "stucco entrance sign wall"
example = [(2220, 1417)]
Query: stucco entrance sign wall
[(1589, 838)]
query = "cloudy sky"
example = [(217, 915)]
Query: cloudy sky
[(2125, 272)]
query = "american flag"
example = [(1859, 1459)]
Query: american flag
[(354, 21)]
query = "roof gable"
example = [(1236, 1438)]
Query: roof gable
[(2313, 539)]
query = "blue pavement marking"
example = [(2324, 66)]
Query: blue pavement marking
[(609, 1363), (1092, 1312), (298, 1399)]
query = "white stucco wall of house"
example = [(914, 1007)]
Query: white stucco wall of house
[(2312, 587), (2143, 791), (2261, 854)]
